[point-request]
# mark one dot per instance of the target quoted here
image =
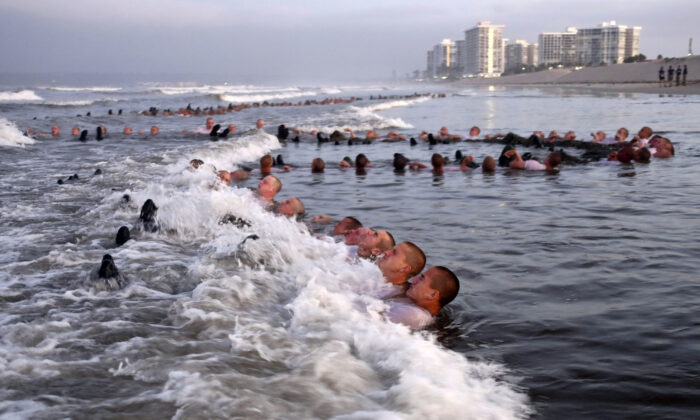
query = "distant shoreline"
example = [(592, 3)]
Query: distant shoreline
[(617, 78)]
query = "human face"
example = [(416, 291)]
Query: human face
[(127, 130), (154, 130), (210, 123), (421, 290), (75, 131), (352, 236), (267, 187), (55, 131), (393, 261), (289, 207), (260, 124), (620, 135), (474, 131)]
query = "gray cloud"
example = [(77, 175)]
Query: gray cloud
[(302, 40)]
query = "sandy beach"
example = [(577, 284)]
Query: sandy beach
[(626, 77)]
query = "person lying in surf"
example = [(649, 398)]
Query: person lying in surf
[(425, 297)]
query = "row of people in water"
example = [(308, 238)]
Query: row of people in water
[(660, 147), (413, 298), (219, 110)]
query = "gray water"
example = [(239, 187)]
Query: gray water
[(578, 295)]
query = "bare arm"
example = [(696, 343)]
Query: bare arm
[(518, 162)]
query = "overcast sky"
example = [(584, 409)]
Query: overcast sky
[(300, 40)]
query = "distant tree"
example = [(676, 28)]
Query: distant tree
[(635, 58), (659, 57)]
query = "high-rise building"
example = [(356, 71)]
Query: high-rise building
[(430, 65), (484, 53), (558, 47), (532, 57), (607, 43), (632, 41), (516, 55), (441, 58)]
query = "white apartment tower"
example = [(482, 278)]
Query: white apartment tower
[(558, 47), (520, 53), (607, 43), (441, 58), (484, 54)]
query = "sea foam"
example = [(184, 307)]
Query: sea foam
[(10, 135)]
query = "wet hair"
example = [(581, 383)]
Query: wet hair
[(282, 132), (348, 160), (350, 223), (626, 154), (478, 130), (400, 161), (108, 269), (278, 183), (624, 130), (646, 129), (123, 235), (437, 161), (279, 160), (196, 163), (83, 135), (642, 155), (361, 161), (489, 164), (554, 159), (392, 241), (99, 133), (148, 216), (415, 258), (266, 161), (447, 284), (317, 165)]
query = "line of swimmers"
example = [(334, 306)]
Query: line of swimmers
[(220, 110), (413, 298)]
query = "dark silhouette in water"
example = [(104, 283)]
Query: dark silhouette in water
[(224, 133), (98, 171), (108, 269), (282, 132), (123, 235), (99, 134), (413, 142), (83, 135), (214, 130), (108, 275), (279, 161), (235, 221), (148, 216)]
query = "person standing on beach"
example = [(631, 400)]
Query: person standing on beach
[(669, 75), (662, 73), (685, 73), (678, 75)]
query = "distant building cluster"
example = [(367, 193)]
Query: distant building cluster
[(485, 53)]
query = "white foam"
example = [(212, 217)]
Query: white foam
[(265, 97), (10, 135), (22, 95), (85, 89), (394, 104), (221, 89)]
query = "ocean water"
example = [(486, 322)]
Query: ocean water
[(579, 289)]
